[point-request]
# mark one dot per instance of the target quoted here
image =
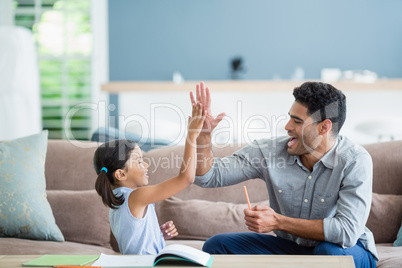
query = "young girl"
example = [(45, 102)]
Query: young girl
[(122, 183)]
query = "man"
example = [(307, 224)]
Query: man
[(319, 199)]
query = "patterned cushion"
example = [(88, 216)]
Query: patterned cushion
[(24, 209)]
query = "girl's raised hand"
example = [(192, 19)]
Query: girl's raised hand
[(196, 121)]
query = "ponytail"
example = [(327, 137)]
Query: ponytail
[(104, 188), (108, 158)]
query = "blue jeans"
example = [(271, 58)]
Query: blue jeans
[(254, 243)]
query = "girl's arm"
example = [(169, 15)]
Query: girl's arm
[(143, 196)]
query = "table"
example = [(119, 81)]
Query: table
[(235, 261)]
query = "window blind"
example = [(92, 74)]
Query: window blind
[(62, 33)]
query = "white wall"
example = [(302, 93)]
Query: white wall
[(255, 114)]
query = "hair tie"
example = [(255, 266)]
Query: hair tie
[(105, 169)]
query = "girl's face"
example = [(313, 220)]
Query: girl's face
[(136, 170)]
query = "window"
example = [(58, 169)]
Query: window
[(63, 37)]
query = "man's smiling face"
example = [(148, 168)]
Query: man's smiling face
[(303, 131)]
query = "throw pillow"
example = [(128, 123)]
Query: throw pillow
[(385, 217), (201, 219), (24, 209), (398, 241), (86, 220)]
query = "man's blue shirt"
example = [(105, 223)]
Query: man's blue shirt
[(338, 190)]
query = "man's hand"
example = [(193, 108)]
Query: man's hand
[(204, 97), (169, 230), (261, 219)]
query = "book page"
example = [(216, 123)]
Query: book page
[(186, 252)]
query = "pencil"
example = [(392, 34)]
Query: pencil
[(248, 200)]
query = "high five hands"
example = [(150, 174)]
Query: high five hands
[(203, 96), (196, 120), (262, 218)]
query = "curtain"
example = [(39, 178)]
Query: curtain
[(20, 108)]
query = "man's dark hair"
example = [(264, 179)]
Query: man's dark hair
[(323, 101)]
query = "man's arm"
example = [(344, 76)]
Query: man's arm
[(205, 158), (263, 219), (354, 203)]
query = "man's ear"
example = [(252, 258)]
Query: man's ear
[(325, 126), (120, 175)]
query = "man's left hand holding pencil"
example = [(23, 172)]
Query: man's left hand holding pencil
[(260, 218)]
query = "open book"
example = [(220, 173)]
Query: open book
[(172, 254)]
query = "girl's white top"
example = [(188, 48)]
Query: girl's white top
[(135, 236)]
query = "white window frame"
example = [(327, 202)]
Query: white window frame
[(99, 56), (100, 62)]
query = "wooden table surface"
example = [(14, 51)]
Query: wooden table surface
[(235, 261)]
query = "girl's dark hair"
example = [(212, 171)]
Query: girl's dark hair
[(112, 155), (323, 101)]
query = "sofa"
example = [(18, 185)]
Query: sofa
[(198, 213)]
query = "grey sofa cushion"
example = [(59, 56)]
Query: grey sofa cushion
[(16, 246), (201, 219), (87, 220), (390, 257), (385, 217)]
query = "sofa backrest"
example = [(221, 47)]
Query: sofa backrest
[(165, 163), (69, 165), (387, 166), (386, 206)]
